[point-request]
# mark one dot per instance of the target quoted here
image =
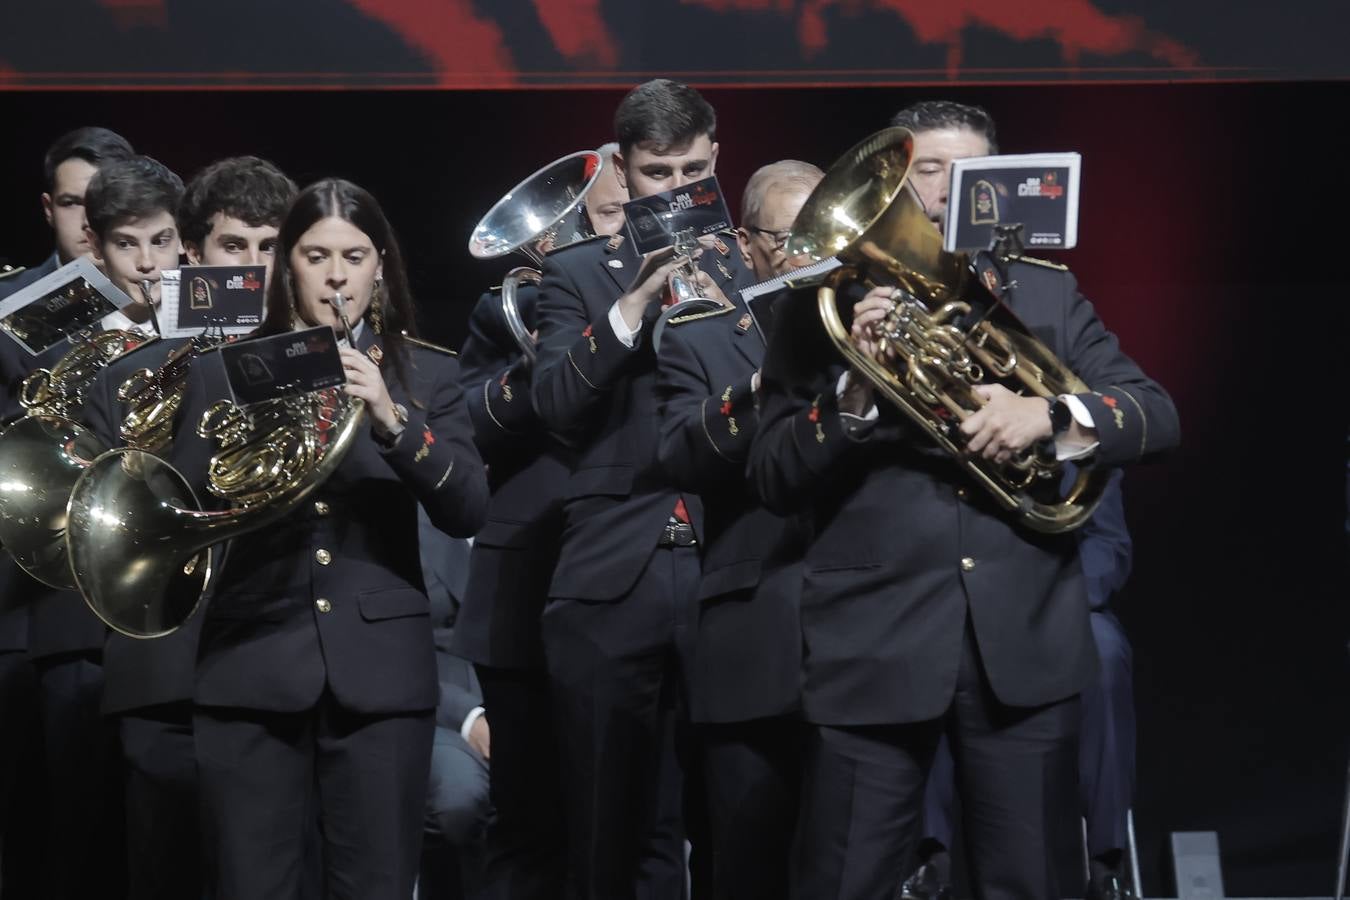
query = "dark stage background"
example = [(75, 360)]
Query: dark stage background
[(1213, 242)]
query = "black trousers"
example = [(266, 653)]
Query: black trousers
[(616, 672), (525, 857), (1015, 774), (753, 776), (21, 778), (263, 775), (164, 846), (1106, 754), (85, 836)]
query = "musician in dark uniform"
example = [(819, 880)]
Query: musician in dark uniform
[(619, 626), (747, 659), (316, 673), (1106, 750), (67, 166), (69, 163), (510, 567), (927, 608), (229, 215), (130, 205)]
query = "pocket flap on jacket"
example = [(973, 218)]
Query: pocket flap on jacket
[(392, 603), (504, 534), (614, 481), (735, 577)]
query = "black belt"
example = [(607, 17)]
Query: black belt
[(677, 534)]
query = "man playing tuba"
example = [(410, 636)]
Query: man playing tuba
[(926, 607)]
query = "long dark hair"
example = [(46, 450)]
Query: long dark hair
[(335, 197)]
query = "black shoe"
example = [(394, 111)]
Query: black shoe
[(925, 884), (1112, 887)]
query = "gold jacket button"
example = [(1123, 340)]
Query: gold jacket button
[(323, 557), (323, 605), (962, 493), (321, 508), (967, 564)]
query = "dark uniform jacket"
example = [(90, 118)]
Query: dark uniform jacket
[(332, 596), (592, 388), (905, 546), (17, 280), (514, 553), (747, 661)]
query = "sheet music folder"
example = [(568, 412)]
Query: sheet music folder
[(759, 297)]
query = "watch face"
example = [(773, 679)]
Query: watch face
[(1060, 417)]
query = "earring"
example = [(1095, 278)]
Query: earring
[(376, 311)]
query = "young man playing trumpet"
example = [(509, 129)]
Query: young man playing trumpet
[(619, 626)]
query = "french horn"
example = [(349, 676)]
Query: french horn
[(139, 542)]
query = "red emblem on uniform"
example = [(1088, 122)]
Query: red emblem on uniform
[(588, 331), (721, 246), (1110, 401), (726, 408), (991, 280), (744, 324), (814, 414), (376, 354), (615, 242)]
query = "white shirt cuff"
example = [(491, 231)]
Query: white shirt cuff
[(474, 715), (627, 336), (839, 389), (1080, 414)]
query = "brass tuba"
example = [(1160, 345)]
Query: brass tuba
[(946, 334), (545, 212), (139, 541), (43, 453)]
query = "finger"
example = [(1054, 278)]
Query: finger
[(980, 440), (973, 423)]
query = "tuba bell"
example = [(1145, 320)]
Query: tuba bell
[(140, 543), (545, 212), (947, 333)]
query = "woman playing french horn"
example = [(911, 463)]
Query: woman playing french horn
[(316, 679)]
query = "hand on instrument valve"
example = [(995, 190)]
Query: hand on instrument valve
[(709, 289), (649, 285), (365, 381), (1007, 423), (868, 312)]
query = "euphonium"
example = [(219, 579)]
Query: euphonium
[(42, 454), (139, 541), (545, 212), (946, 334)]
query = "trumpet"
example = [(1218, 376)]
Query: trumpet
[(545, 212)]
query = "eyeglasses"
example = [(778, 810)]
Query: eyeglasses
[(777, 239)]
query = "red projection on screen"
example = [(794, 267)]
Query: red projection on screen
[(1076, 25)]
